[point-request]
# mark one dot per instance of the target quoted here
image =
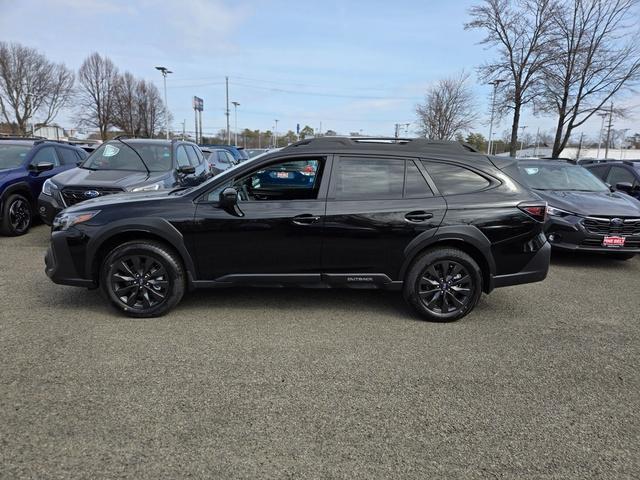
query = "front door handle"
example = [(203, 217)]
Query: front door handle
[(305, 219), (418, 216)]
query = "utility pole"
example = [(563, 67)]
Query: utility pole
[(275, 135), (200, 124), (535, 152), (227, 112), (606, 147), (522, 129), (195, 113), (184, 126), (623, 142), (235, 114), (580, 146), (495, 84), (603, 115), (164, 71)]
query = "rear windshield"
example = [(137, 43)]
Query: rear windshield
[(556, 176), (118, 156), (12, 156)]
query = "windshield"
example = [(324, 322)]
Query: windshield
[(118, 156), (560, 177), (12, 156)]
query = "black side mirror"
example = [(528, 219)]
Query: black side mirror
[(42, 167), (187, 170), (626, 187), (229, 201)]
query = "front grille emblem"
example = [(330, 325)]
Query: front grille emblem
[(91, 194), (617, 222)]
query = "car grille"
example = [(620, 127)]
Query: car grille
[(73, 195), (603, 226)]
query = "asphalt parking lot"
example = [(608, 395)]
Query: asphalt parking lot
[(541, 381)]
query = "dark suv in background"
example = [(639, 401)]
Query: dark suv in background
[(125, 165), (623, 175), (433, 219), (25, 164)]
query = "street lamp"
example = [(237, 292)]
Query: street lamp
[(235, 113), (165, 71), (275, 135), (495, 84)]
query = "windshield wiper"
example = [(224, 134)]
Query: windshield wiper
[(136, 152)]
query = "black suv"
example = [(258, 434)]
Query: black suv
[(125, 165), (433, 219), (621, 175)]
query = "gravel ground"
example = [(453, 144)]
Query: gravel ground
[(541, 381)]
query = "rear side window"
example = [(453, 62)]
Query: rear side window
[(415, 186), (369, 178), (454, 180)]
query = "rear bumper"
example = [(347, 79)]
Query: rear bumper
[(535, 271)]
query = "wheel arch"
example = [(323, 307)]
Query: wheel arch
[(21, 188)]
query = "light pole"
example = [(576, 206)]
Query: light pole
[(522, 128), (235, 114), (603, 115), (275, 134), (165, 71), (495, 84)]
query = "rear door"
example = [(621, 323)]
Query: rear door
[(376, 207)]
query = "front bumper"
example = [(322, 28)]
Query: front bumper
[(48, 208), (59, 262), (570, 234)]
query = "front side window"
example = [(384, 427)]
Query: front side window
[(600, 172), (369, 178), (182, 158), (284, 180), (454, 180), (620, 175), (118, 156), (68, 157), (46, 155), (12, 156), (193, 157)]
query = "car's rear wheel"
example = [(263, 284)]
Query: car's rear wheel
[(143, 279), (443, 285), (17, 216)]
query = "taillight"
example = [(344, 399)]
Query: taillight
[(538, 211)]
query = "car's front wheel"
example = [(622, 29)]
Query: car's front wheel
[(143, 279), (443, 285), (17, 216)]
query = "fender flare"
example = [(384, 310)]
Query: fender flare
[(468, 234), (21, 187), (146, 225)]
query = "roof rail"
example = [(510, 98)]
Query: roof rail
[(20, 137), (359, 142)]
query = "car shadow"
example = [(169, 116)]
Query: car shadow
[(590, 260)]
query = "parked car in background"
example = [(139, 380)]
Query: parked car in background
[(121, 165), (623, 175), (219, 160), (235, 151), (583, 213), (432, 219), (25, 165), (254, 152)]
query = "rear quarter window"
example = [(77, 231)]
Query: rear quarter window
[(455, 180)]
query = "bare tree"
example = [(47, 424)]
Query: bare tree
[(126, 106), (596, 55), (30, 84), (520, 31), (448, 109), (150, 108), (98, 79)]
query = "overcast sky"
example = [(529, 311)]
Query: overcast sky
[(357, 65)]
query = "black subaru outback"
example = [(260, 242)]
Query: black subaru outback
[(433, 219)]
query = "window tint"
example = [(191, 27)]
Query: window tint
[(600, 172), (46, 154), (369, 178), (415, 186), (619, 175), (289, 180), (182, 158), (452, 179), (193, 158), (67, 156)]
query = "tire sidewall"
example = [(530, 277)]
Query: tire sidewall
[(175, 276), (412, 280), (7, 228)]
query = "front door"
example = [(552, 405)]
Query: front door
[(375, 209), (276, 230)]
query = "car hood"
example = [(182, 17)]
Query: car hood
[(120, 198), (82, 177), (605, 204)]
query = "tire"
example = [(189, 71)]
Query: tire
[(623, 256), (443, 268), (142, 279), (17, 216)]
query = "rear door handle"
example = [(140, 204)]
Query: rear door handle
[(418, 216), (305, 219)]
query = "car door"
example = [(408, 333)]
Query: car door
[(375, 208), (622, 174), (45, 154), (276, 232)]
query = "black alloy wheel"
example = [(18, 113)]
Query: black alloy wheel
[(443, 284), (143, 279), (17, 216)]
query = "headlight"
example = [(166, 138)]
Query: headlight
[(148, 188), (48, 187), (63, 221), (557, 212)]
